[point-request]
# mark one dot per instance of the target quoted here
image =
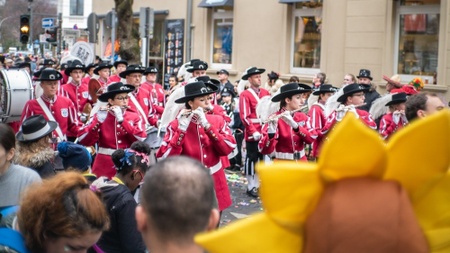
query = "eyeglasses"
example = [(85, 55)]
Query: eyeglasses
[(122, 98)]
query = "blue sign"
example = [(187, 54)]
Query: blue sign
[(49, 23)]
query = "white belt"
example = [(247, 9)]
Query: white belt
[(106, 151), (215, 168), (256, 121), (289, 156)]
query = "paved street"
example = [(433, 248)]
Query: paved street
[(243, 205)]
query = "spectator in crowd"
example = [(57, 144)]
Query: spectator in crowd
[(421, 105), (294, 79), (34, 149), (61, 215), (318, 80), (224, 86), (131, 165), (13, 178), (371, 95), (349, 79), (77, 158), (169, 223)]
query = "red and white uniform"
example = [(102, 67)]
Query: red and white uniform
[(79, 94), (157, 93), (247, 111), (62, 109), (114, 79), (111, 135), (143, 98), (288, 143), (65, 78), (95, 84), (388, 126), (363, 115), (318, 120), (206, 146)]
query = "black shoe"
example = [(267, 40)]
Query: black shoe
[(253, 192)]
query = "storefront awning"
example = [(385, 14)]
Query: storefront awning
[(293, 1), (215, 3)]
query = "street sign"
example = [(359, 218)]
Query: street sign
[(49, 23)]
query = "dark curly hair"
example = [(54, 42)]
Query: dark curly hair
[(126, 160)]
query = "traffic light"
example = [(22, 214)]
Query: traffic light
[(51, 35), (24, 28)]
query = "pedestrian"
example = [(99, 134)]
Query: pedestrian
[(422, 105), (169, 224), (14, 179), (288, 130), (61, 215), (395, 119), (273, 83), (112, 127), (54, 107), (131, 165), (33, 145), (318, 80), (202, 136), (248, 101), (78, 158), (317, 115), (349, 79), (371, 95), (351, 99), (224, 85)]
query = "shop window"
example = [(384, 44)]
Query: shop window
[(307, 37), (222, 36), (77, 7), (418, 40)]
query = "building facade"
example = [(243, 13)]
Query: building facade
[(302, 37)]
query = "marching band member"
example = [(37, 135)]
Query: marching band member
[(156, 92), (112, 127), (98, 85), (89, 72), (352, 97), (201, 136), (119, 66), (395, 119), (317, 114), (248, 101), (54, 107), (287, 136), (76, 90)]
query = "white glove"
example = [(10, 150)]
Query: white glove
[(340, 115), (118, 113), (256, 136), (184, 121), (352, 109), (287, 117), (404, 119), (272, 127), (201, 116), (396, 117), (101, 116)]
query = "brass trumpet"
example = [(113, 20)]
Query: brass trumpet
[(277, 117)]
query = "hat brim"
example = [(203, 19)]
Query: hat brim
[(97, 69), (396, 101), (192, 96), (67, 71), (371, 78), (120, 62), (53, 125), (107, 95), (125, 73), (280, 96), (46, 79), (342, 98), (246, 76), (395, 83), (318, 92)]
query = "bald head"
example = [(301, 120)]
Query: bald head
[(178, 196)]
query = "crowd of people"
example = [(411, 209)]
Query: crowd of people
[(89, 132)]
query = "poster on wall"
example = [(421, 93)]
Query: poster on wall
[(174, 45)]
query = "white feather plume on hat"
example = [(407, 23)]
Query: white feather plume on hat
[(332, 104), (182, 72), (241, 86), (266, 107), (171, 108), (312, 99), (379, 107)]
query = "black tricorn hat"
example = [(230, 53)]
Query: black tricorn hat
[(349, 90), (364, 73), (48, 62), (115, 88), (252, 71), (325, 88), (290, 89), (132, 69), (197, 65), (76, 64), (50, 74), (150, 70), (193, 90), (34, 128), (213, 84), (103, 65), (397, 98), (116, 63)]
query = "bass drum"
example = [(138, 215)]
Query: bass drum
[(16, 90)]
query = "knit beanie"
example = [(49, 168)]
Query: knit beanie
[(75, 156)]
